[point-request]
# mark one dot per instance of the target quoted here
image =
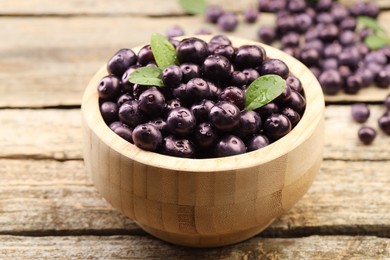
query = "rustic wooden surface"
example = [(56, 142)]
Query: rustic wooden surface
[(48, 205)]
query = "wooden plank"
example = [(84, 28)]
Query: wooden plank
[(113, 7), (42, 197), (58, 56), (54, 133), (120, 247)]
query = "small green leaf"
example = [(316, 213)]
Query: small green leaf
[(150, 76), (194, 6), (263, 90), (366, 21), (374, 42), (163, 51)]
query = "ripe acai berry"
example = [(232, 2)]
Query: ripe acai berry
[(181, 121), (229, 145), (224, 116), (147, 137), (121, 61)]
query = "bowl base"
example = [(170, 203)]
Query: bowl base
[(203, 241)]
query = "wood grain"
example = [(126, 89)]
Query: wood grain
[(124, 247), (66, 53), (56, 134), (45, 196)]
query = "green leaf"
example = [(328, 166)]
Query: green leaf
[(263, 90), (193, 6), (150, 76), (163, 51), (374, 42), (366, 21)]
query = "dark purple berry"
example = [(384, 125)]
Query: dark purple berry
[(339, 12), (161, 125), (189, 71), (229, 145), (309, 56), (349, 23), (323, 5), (124, 98), (238, 79), (277, 126), (204, 135), (285, 96), (127, 86), (366, 134), (145, 55), (296, 6), (292, 115), (377, 57), (382, 79), (290, 40), (197, 89), (109, 112), (214, 91), (201, 110), (256, 142), (178, 147), (233, 95), (329, 64), (220, 40), (294, 83), (147, 137), (251, 75), (227, 22), (121, 61), (387, 102), (347, 38), (192, 50), (328, 33), (171, 76), (123, 131), (227, 51), (330, 81), (216, 68), (297, 102), (250, 15), (267, 34), (274, 66), (173, 103), (367, 76), (360, 112), (353, 84), (224, 116), (249, 56), (109, 88), (324, 18), (384, 123), (213, 13), (181, 121), (267, 110), (303, 22), (152, 102), (130, 114), (250, 123), (174, 31), (333, 50)]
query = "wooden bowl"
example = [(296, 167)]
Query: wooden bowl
[(206, 202)]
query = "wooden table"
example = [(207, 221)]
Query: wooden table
[(48, 205)]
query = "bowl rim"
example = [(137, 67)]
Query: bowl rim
[(312, 117)]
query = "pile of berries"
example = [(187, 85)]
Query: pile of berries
[(200, 111)]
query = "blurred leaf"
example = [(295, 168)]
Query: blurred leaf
[(369, 22), (194, 6), (374, 42)]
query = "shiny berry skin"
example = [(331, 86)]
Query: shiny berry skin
[(213, 13), (181, 121), (172, 103), (145, 55), (353, 84), (360, 112), (178, 147), (227, 22), (297, 102), (147, 137), (152, 102), (161, 125), (250, 123), (366, 134), (122, 130), (277, 126), (192, 50), (139, 89), (330, 81), (309, 56), (224, 116), (180, 93), (174, 31), (220, 40), (249, 56), (130, 114), (124, 98), (197, 89), (227, 51), (189, 71), (109, 88), (384, 123), (267, 110), (233, 95), (214, 91), (294, 83), (266, 34), (121, 61), (274, 66), (127, 86), (251, 75), (284, 97), (292, 115), (382, 79), (201, 110), (204, 135), (216, 67), (229, 145), (109, 111), (256, 142), (171, 76), (238, 79)]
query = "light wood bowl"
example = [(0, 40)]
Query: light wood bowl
[(206, 202)]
